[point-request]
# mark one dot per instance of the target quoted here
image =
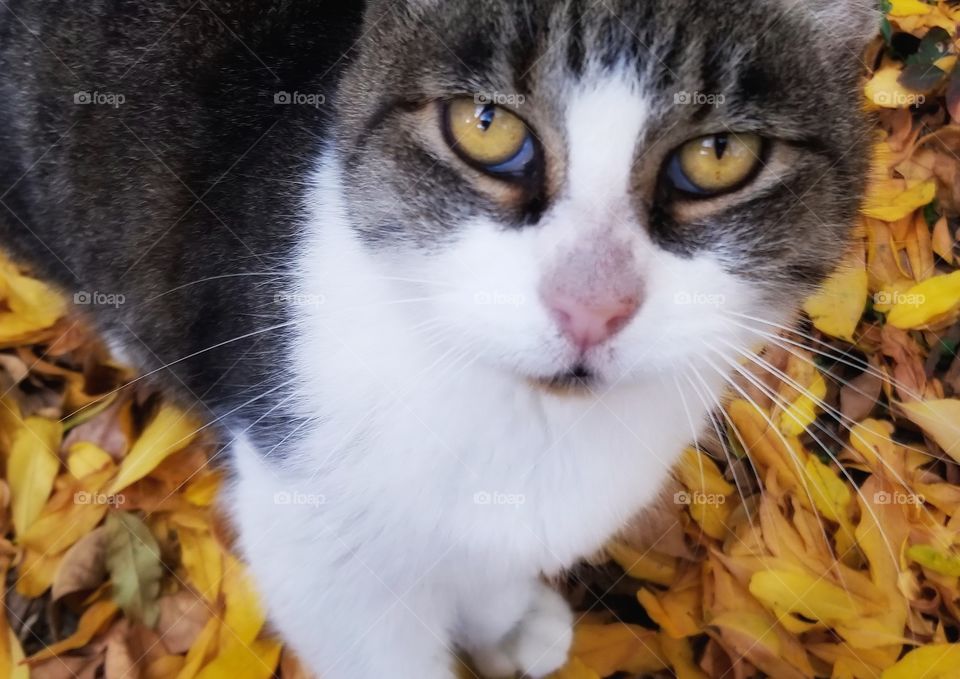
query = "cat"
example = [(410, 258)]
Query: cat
[(449, 277)]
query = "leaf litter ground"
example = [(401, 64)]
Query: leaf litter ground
[(814, 533)]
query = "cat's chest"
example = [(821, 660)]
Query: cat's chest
[(533, 480)]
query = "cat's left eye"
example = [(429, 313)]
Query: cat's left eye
[(489, 137), (715, 164)]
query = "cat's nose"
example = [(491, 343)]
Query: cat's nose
[(589, 322)]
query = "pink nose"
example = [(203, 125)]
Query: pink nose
[(591, 322)]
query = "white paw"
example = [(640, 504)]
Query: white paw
[(538, 645)]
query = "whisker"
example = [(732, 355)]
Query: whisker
[(801, 475), (785, 406), (838, 416)]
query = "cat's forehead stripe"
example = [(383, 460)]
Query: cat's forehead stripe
[(604, 120)]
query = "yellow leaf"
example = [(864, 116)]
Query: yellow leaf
[(32, 468), (202, 648), (926, 301), (164, 667), (31, 305), (608, 649), (85, 458), (940, 420), (11, 657), (906, 8), (836, 309), (891, 200), (169, 431), (935, 559), (649, 566), (244, 616), (803, 409), (749, 626), (699, 472), (244, 661), (91, 622), (37, 571), (936, 661), (203, 490), (830, 494), (11, 653), (680, 656), (786, 592), (673, 610), (203, 560)]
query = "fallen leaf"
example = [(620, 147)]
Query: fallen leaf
[(133, 562), (32, 468)]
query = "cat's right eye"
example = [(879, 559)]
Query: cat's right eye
[(715, 164), (489, 137)]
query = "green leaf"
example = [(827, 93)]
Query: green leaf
[(133, 562), (934, 46), (886, 30), (931, 213), (921, 77)]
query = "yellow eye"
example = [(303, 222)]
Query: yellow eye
[(489, 136), (715, 164)]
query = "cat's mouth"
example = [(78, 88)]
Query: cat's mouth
[(577, 381)]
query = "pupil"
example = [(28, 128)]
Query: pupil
[(720, 143), (485, 118)]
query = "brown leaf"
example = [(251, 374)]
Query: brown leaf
[(182, 618), (83, 567)]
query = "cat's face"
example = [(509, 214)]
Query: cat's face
[(593, 189)]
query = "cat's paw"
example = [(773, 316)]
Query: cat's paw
[(538, 645)]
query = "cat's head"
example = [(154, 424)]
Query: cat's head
[(592, 189)]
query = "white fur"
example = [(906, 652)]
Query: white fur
[(438, 484)]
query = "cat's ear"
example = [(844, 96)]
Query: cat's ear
[(856, 22)]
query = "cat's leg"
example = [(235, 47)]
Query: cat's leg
[(357, 638), (346, 605), (524, 627)]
